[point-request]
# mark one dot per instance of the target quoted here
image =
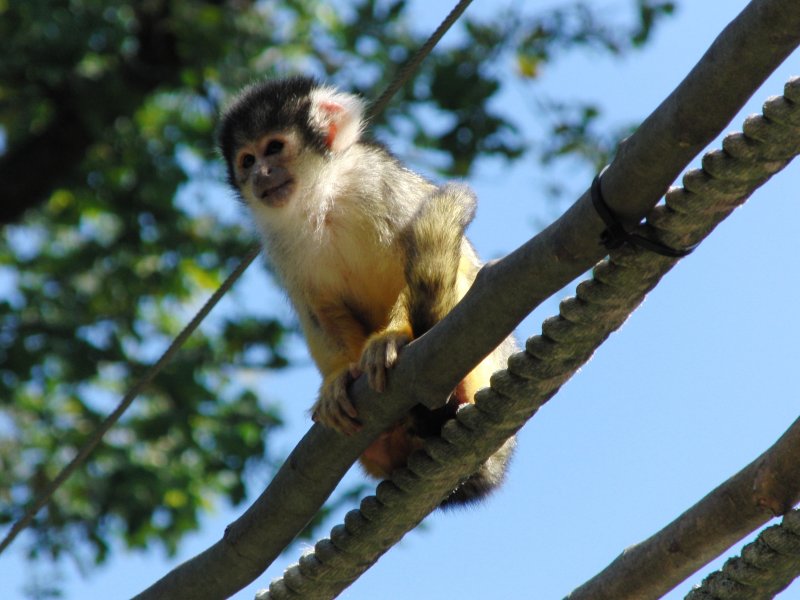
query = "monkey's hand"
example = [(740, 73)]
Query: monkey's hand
[(380, 354), (333, 407)]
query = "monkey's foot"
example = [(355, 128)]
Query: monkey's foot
[(380, 354), (333, 407)]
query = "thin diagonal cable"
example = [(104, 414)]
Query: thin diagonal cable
[(410, 67), (127, 400), (402, 77)]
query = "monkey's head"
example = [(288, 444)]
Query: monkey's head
[(275, 134)]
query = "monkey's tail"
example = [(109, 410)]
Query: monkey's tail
[(485, 480), (433, 248)]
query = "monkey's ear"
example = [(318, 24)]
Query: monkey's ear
[(339, 116)]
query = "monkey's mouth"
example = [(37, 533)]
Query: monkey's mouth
[(278, 195)]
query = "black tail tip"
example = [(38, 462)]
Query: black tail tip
[(481, 484)]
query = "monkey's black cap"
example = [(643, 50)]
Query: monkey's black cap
[(271, 105)]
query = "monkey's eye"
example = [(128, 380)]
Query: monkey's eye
[(248, 160), (274, 147)]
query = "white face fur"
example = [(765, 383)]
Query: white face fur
[(274, 170)]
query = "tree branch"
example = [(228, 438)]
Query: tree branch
[(761, 37), (768, 486), (765, 567)]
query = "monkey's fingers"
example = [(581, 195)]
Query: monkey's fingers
[(334, 408), (332, 416), (380, 354)]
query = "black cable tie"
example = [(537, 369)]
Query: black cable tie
[(615, 235)]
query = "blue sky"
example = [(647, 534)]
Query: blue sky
[(693, 387)]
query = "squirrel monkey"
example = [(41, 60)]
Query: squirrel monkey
[(370, 253)]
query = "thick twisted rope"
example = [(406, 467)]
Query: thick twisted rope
[(766, 566), (601, 304)]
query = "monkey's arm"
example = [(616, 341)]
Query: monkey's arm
[(382, 348), (341, 343), (335, 338), (434, 263)]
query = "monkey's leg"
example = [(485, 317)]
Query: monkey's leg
[(335, 338)]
